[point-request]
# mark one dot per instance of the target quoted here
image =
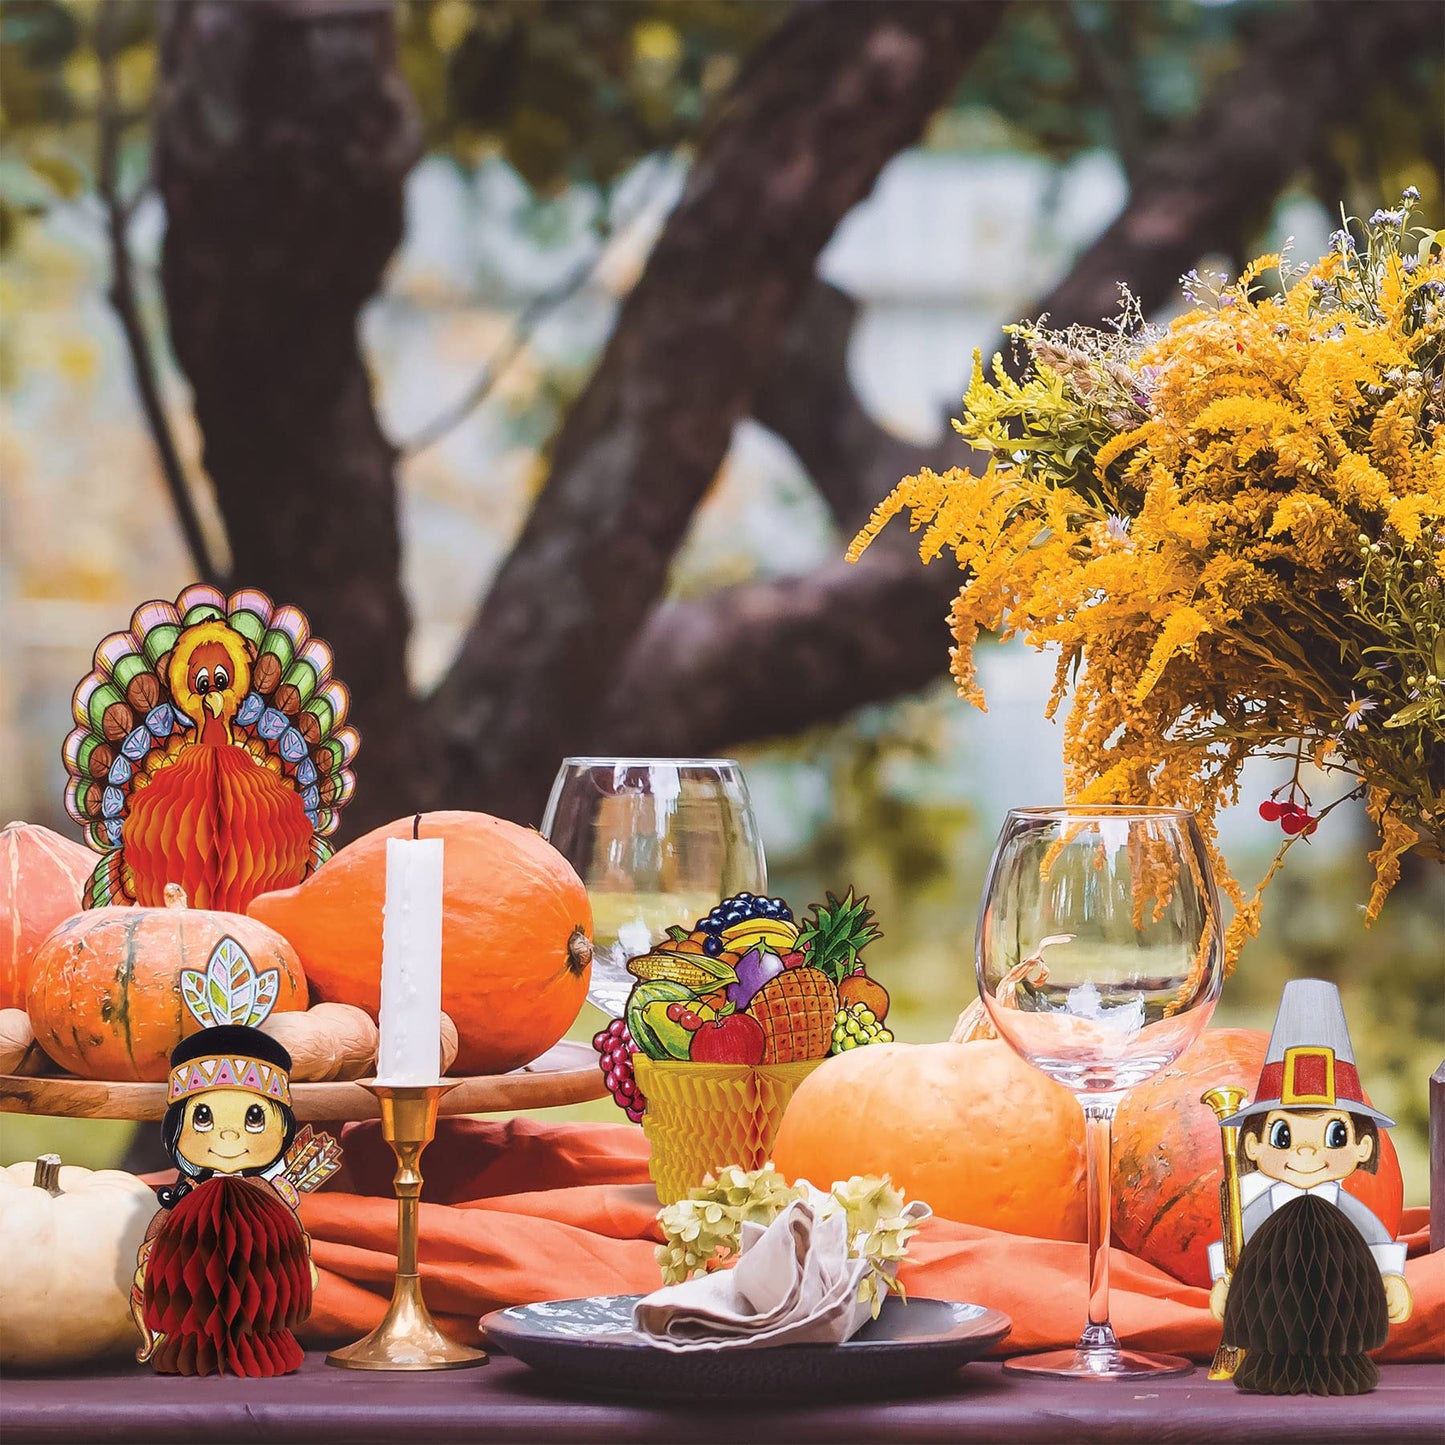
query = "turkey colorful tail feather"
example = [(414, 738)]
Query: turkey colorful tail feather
[(226, 831), (111, 884)]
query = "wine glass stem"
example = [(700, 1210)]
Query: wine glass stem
[(1099, 1128)]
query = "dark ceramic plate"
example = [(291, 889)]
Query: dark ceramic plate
[(589, 1345)]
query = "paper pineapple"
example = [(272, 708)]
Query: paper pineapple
[(796, 1010), (837, 933), (210, 751)]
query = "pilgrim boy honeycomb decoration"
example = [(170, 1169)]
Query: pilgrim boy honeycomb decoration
[(225, 1272), (209, 750), (1318, 1280)]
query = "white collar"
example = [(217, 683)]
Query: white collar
[(1281, 1192)]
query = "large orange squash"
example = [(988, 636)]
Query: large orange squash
[(516, 925), (970, 1128), (1168, 1162), (42, 878), (105, 989)]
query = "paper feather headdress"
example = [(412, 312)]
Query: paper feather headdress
[(229, 991)]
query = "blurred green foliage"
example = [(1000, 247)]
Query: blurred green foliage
[(1072, 76), (1065, 76), (575, 92), (571, 91)]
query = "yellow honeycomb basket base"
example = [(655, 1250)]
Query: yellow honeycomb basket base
[(703, 1117)]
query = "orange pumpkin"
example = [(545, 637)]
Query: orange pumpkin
[(105, 990), (42, 878), (516, 925), (1168, 1163), (970, 1128)]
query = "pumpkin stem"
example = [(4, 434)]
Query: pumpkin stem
[(973, 1023), (175, 896), (47, 1174), (579, 951)]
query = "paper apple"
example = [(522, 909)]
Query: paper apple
[(736, 1039)]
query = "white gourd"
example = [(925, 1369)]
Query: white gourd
[(19, 1053), (69, 1260)]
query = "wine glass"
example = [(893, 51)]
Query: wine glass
[(1099, 955), (657, 842)]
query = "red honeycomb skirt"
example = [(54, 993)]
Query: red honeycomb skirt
[(228, 1279)]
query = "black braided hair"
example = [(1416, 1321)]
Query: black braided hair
[(223, 1039)]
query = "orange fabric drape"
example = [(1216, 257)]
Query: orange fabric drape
[(520, 1210)]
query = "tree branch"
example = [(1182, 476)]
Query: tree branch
[(528, 319), (531, 316), (794, 652), (807, 399), (122, 297), (816, 113), (806, 651)]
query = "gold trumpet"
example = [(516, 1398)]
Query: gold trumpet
[(1225, 1100)]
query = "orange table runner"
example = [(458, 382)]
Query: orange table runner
[(518, 1211)]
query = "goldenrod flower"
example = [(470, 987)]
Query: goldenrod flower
[(1232, 532)]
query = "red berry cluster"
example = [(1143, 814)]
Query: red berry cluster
[(614, 1045), (1290, 816)]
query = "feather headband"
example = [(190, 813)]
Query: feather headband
[(229, 991)]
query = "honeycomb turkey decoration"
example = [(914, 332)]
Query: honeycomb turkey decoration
[(1305, 1304), (210, 750)]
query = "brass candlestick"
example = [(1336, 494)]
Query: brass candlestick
[(1225, 1100), (407, 1338)]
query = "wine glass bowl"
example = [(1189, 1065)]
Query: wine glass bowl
[(657, 842), (1100, 957)]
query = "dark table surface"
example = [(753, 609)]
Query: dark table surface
[(506, 1401)]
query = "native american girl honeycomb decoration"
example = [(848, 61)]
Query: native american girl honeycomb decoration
[(225, 1275), (210, 750)]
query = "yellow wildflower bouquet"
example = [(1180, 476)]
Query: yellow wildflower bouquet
[(1233, 531)]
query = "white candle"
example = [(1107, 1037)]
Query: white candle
[(411, 964)]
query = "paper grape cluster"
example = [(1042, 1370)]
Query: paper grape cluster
[(616, 1048)]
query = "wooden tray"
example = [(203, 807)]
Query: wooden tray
[(566, 1074)]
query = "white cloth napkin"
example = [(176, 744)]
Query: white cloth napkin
[(793, 1283)]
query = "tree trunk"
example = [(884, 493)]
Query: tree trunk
[(283, 137), (815, 114)]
